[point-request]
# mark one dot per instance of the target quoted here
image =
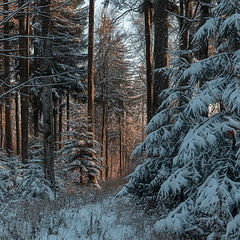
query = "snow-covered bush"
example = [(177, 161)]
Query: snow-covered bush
[(22, 181), (33, 183), (192, 172), (8, 176)]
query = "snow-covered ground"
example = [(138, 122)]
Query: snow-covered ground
[(70, 218)]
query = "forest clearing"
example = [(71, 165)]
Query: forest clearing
[(92, 214)]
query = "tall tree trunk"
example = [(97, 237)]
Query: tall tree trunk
[(143, 115), (36, 104), (8, 112), (36, 107), (17, 124), (148, 44), (92, 178), (106, 155), (183, 27), (161, 82), (1, 125), (48, 136), (203, 48), (55, 112), (60, 118), (24, 76), (184, 33), (204, 15), (120, 146), (68, 109), (103, 131)]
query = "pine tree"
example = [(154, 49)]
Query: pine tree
[(192, 168), (75, 152)]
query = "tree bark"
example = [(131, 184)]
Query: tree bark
[(17, 124), (106, 155), (36, 107), (68, 109), (184, 42), (48, 135), (24, 76), (161, 82), (1, 126), (203, 47), (55, 112), (120, 146), (8, 112), (92, 178), (204, 14), (148, 44), (103, 131), (60, 118)]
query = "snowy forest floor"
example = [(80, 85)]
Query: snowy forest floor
[(90, 214)]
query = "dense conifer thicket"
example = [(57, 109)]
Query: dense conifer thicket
[(73, 107), (191, 173)]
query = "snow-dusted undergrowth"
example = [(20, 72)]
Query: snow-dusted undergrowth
[(75, 218)]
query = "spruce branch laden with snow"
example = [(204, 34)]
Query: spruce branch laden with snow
[(192, 169)]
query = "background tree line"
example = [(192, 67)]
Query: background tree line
[(48, 95)]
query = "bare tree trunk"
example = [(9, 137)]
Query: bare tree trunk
[(36, 104), (103, 132), (17, 124), (92, 178), (161, 82), (24, 76), (106, 156), (1, 125), (148, 44), (55, 112), (120, 146), (143, 115), (68, 109), (205, 13), (36, 107), (48, 136), (48, 162), (8, 112), (203, 48), (184, 27), (60, 118)]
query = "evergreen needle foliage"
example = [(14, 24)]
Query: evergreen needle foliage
[(77, 148), (192, 168)]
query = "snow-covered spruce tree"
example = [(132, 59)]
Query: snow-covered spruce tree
[(76, 153), (20, 181), (192, 170)]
